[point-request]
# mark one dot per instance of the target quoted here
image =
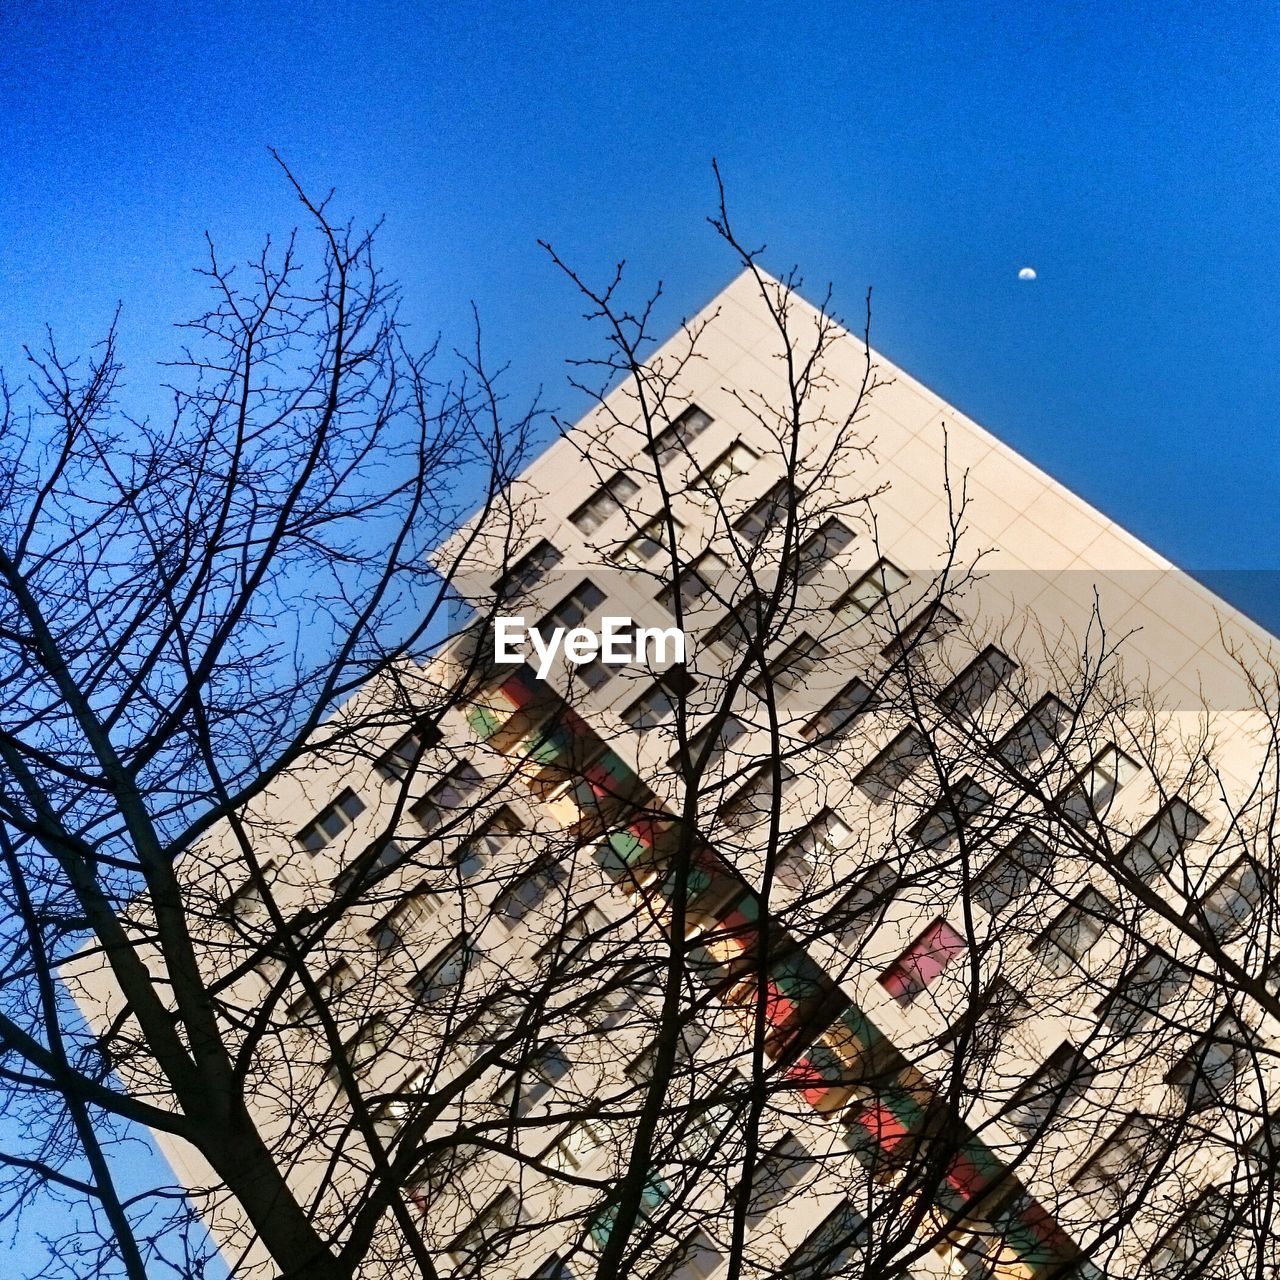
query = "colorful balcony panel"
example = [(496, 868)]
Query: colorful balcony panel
[(836, 1069), (484, 719), (843, 1062)]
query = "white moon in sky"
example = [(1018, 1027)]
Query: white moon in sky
[(1027, 273)]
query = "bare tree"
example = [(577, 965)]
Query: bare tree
[(420, 963), (182, 606)]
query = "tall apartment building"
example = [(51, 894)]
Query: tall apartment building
[(937, 876)]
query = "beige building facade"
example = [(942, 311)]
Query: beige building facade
[(946, 819)]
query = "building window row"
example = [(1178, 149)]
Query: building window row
[(676, 437), (649, 543), (448, 798), (618, 491), (331, 821), (528, 571), (1075, 931), (443, 975), (870, 591), (396, 929), (534, 1080), (613, 495), (839, 715), (403, 756)]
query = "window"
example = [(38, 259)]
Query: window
[(1001, 1009), (870, 591), (743, 622), (975, 685), (1012, 874), (380, 856), (1206, 1072), (1195, 1239), (500, 1217), (1073, 934), (390, 1116), (1261, 1152), (624, 997), (395, 764), (735, 461), (1042, 726), (443, 975), (397, 927), (361, 1049), (594, 673), (1160, 843), (494, 1026), (331, 821), (821, 547), (678, 680), (963, 802), (695, 1258), (1155, 983), (978, 1256), (454, 792), (555, 1268), (697, 581), (336, 979), (928, 625), (649, 544), (864, 904), (708, 1127), (678, 435), (528, 571), (782, 1168), (1229, 904), (581, 1144), (655, 1190), (893, 766), (659, 701), (611, 496), (820, 842), (575, 608), (529, 892), (732, 731), (493, 838), (578, 932), (441, 1172), (922, 963), (1124, 1160), (692, 1036), (246, 905), (837, 717), (793, 666), (766, 512), (1090, 795), (752, 803), (535, 1080), (830, 1249), (1063, 1081)]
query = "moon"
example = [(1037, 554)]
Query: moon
[(1027, 273)]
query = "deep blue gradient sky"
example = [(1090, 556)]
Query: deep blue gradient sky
[(1129, 152)]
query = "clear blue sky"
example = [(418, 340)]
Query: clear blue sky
[(1129, 152)]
